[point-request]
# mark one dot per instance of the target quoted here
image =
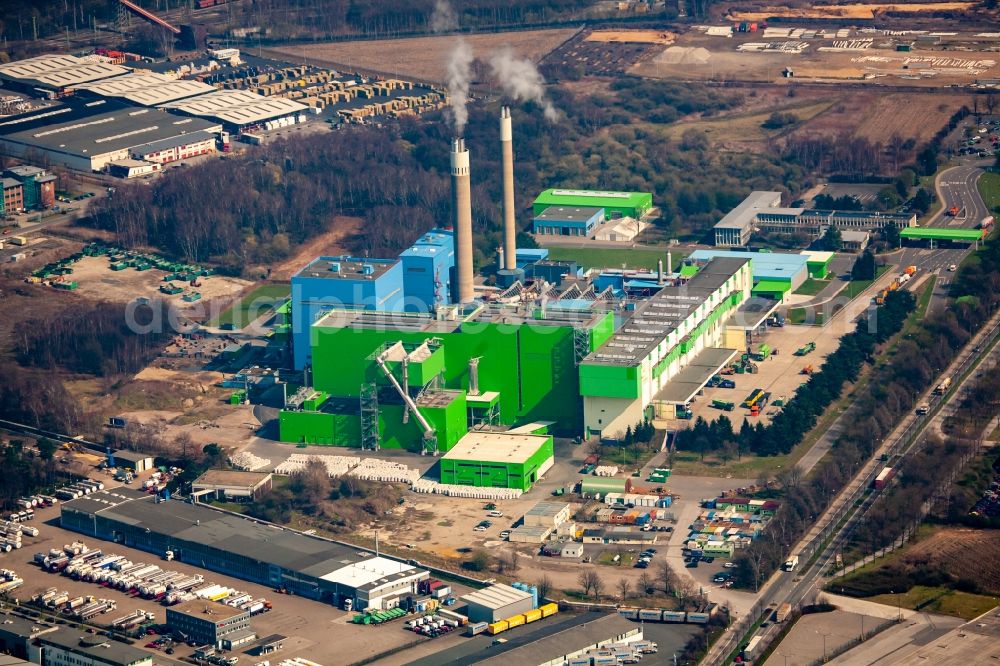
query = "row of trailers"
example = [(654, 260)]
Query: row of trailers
[(11, 534), (660, 615), (148, 581)]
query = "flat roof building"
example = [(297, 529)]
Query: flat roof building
[(568, 220), (207, 622), (735, 228), (559, 647), (139, 462), (72, 647), (547, 514), (496, 602), (326, 283), (497, 460), (775, 274), (242, 547), (232, 485), (427, 268), (615, 204), (87, 136), (18, 633)]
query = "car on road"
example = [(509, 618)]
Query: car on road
[(729, 565), (495, 514), (642, 564), (693, 564), (952, 268), (707, 559), (505, 534)]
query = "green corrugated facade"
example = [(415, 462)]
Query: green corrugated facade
[(532, 366), (494, 474)]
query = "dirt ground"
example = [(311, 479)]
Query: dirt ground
[(424, 58), (329, 243), (632, 36), (857, 11), (699, 57), (961, 552), (96, 280), (315, 630)]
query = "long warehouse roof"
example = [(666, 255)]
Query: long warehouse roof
[(496, 447), (592, 198), (99, 127), (239, 107), (663, 313), (58, 71), (240, 536), (147, 88), (496, 596)]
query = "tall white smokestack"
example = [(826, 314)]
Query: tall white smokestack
[(509, 224), (670, 264), (462, 192)]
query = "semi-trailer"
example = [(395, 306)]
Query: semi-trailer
[(943, 387), (883, 478)]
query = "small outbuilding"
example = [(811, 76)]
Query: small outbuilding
[(496, 602), (139, 462)]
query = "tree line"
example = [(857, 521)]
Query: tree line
[(812, 398), (94, 339), (915, 362)]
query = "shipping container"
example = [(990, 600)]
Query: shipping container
[(650, 614), (497, 627), (697, 618), (674, 616), (515, 621), (629, 613), (532, 615), (883, 478), (549, 609)]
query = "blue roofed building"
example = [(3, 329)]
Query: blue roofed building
[(775, 274), (568, 221), (328, 282), (427, 268)]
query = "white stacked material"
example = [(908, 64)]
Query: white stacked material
[(335, 465), (777, 33), (719, 31), (248, 462), (606, 470), (434, 488), (373, 469)]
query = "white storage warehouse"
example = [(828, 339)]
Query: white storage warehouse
[(55, 73), (146, 88), (496, 602), (88, 135), (547, 514), (239, 109)]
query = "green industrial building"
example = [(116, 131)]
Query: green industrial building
[(497, 460), (615, 204), (486, 364)]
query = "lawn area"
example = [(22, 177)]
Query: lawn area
[(855, 287), (799, 316), (812, 286), (940, 600), (252, 305), (924, 300), (613, 257), (989, 188)]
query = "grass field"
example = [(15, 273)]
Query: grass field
[(601, 257), (800, 316), (812, 286), (989, 188), (940, 600), (747, 127), (253, 304)]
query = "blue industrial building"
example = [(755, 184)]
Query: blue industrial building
[(427, 268), (775, 274), (326, 282), (568, 221)]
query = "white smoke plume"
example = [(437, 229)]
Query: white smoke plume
[(459, 72), (444, 18), (521, 80)]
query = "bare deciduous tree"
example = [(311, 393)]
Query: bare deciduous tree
[(588, 580), (624, 588), (544, 585)]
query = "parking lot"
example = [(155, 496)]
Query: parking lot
[(780, 375), (314, 630)]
